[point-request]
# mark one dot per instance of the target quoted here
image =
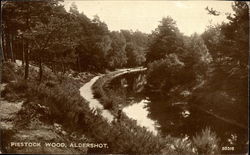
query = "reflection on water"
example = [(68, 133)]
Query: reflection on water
[(181, 120), (178, 119), (185, 113), (139, 112)]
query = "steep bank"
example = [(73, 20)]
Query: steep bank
[(105, 103), (25, 117), (54, 111)]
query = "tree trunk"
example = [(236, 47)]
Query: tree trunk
[(27, 51), (2, 46), (7, 49), (40, 69), (63, 67), (11, 47), (53, 66), (26, 72), (2, 36), (23, 55), (78, 63)]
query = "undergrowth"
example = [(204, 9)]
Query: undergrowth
[(65, 105)]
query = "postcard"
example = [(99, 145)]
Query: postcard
[(124, 77)]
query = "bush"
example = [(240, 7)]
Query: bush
[(164, 74), (206, 142), (19, 86), (50, 84), (178, 146), (8, 72), (14, 90), (108, 104), (66, 106), (6, 135)]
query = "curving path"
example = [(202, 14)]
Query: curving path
[(87, 93)]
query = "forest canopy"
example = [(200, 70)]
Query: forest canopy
[(45, 34)]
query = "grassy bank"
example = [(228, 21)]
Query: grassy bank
[(63, 104), (205, 142), (57, 100), (50, 111)]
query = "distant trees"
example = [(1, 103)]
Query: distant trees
[(93, 44), (136, 47), (116, 56), (174, 59), (218, 57), (166, 39), (44, 33)]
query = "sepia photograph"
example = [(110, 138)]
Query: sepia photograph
[(124, 77)]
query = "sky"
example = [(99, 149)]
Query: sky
[(190, 16)]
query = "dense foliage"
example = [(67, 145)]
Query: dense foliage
[(174, 59), (57, 99), (228, 44), (43, 32), (213, 66)]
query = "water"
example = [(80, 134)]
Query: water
[(139, 112), (179, 120)]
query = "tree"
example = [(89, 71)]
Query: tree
[(116, 56), (135, 55), (228, 44), (196, 56), (136, 47), (94, 44), (19, 20), (231, 41), (166, 39), (47, 32), (164, 74)]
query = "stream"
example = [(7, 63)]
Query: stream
[(179, 119), (161, 118)]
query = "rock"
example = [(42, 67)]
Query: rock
[(64, 133), (56, 125), (185, 93)]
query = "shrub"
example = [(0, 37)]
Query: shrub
[(164, 74), (178, 146), (206, 142), (14, 90), (108, 103), (66, 106), (6, 134), (8, 72), (19, 86), (50, 84)]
